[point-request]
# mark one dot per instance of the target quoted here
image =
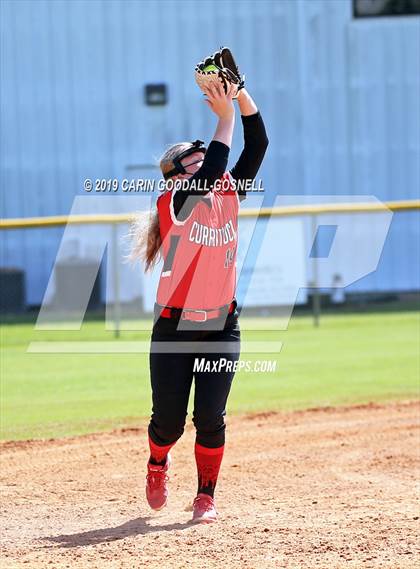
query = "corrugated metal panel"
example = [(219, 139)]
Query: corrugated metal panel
[(340, 99), (384, 94), (360, 114)]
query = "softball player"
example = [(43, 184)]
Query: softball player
[(196, 229)]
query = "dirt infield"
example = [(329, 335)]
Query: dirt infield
[(321, 488)]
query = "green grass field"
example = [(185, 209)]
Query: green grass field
[(351, 358)]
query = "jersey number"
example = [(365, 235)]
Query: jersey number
[(230, 255)]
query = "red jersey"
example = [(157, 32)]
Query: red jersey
[(199, 269)]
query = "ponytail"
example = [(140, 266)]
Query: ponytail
[(144, 234), (144, 231)]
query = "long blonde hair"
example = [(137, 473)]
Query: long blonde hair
[(144, 231)]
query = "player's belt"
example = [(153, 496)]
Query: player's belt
[(196, 315)]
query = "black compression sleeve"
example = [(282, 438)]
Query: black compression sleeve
[(255, 145), (213, 167), (214, 164)]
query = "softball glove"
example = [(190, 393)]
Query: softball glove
[(219, 68)]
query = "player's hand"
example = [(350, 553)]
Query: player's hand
[(221, 103)]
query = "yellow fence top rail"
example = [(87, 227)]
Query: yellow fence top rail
[(292, 210)]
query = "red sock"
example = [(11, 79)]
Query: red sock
[(158, 453), (208, 465)]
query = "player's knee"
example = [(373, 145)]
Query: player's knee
[(211, 436), (207, 423), (166, 430)]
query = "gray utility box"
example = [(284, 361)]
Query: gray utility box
[(12, 290)]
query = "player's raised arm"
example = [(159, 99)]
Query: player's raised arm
[(203, 173), (216, 157), (221, 104), (255, 141)]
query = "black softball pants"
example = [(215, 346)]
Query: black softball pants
[(172, 375)]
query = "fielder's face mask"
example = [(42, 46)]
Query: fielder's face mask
[(197, 146)]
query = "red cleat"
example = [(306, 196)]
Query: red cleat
[(156, 488), (204, 509)]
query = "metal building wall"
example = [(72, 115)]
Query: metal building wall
[(339, 96)]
